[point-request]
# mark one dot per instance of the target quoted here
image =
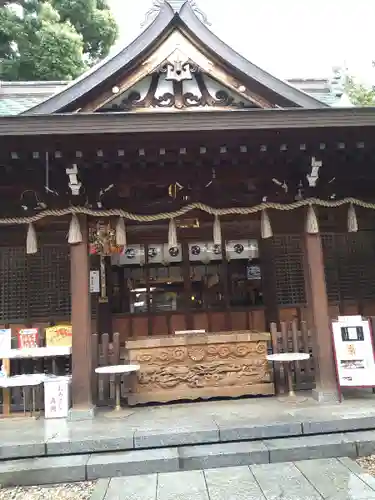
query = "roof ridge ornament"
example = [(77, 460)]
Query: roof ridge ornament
[(176, 6)]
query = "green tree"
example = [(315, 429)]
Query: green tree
[(53, 39), (360, 94)]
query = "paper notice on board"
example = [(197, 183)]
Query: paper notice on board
[(28, 338), (94, 281), (354, 353), (5, 339), (59, 336)]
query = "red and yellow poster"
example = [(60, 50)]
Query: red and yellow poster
[(28, 338), (59, 336)]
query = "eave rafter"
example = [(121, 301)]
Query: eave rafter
[(228, 170)]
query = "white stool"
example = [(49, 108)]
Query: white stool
[(287, 358), (117, 370), (32, 380)]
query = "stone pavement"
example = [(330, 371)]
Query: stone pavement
[(329, 479), (185, 424)]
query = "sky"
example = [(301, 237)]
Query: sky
[(288, 38)]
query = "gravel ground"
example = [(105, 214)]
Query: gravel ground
[(71, 491), (367, 463)]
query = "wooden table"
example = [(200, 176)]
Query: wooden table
[(117, 370), (287, 358), (193, 366)]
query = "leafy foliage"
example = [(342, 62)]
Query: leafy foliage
[(53, 39), (360, 94)]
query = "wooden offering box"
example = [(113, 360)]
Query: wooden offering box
[(194, 366)]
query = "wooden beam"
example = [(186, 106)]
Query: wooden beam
[(81, 327), (267, 264)]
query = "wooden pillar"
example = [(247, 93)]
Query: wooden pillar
[(150, 315), (104, 306), (267, 266), (319, 320), (82, 407), (189, 318), (224, 278)]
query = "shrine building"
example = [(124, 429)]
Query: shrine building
[(177, 186)]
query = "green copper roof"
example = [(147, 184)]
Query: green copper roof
[(17, 105), (17, 97)]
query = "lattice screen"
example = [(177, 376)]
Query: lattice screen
[(350, 270), (329, 242), (34, 286), (349, 267), (13, 284), (288, 258)]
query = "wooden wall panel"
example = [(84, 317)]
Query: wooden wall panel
[(218, 322), (288, 313), (133, 327), (160, 325), (140, 326), (257, 320), (121, 324), (369, 308), (334, 311), (200, 321), (348, 309), (239, 320), (178, 322)]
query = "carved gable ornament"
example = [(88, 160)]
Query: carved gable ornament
[(177, 76), (178, 67), (180, 86)]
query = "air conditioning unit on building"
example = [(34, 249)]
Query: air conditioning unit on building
[(132, 255), (204, 252), (214, 251), (197, 251), (173, 254), (242, 249), (155, 254)]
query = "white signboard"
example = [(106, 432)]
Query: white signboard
[(354, 352), (5, 339), (94, 282), (56, 397)]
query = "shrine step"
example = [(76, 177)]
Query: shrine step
[(59, 438), (69, 468)]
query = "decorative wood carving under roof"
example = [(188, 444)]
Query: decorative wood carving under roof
[(179, 81), (143, 57)]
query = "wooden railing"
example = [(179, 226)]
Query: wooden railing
[(106, 353), (293, 337)]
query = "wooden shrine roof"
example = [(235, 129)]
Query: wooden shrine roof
[(105, 75)]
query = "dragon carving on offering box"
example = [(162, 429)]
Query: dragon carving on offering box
[(200, 366), (201, 375)]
